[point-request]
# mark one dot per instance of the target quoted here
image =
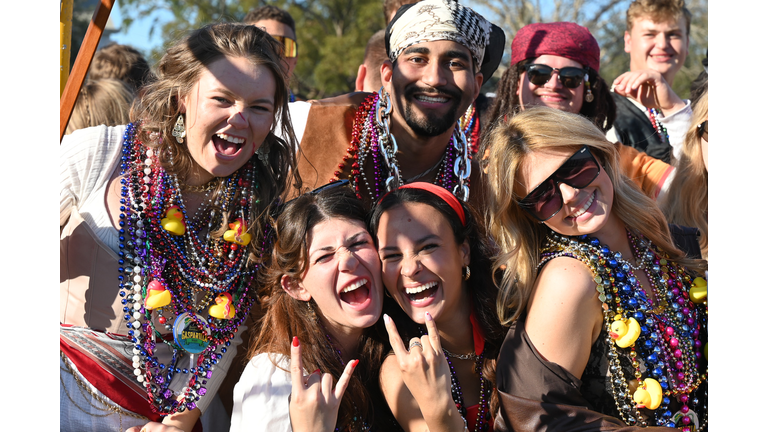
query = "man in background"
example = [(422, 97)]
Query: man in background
[(649, 115)]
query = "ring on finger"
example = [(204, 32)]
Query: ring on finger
[(415, 344)]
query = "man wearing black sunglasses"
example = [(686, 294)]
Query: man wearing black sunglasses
[(281, 26), (650, 116), (439, 55)]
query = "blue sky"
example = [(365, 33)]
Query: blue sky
[(138, 34)]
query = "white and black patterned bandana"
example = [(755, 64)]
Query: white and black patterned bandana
[(432, 20)]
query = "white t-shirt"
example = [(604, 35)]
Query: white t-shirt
[(261, 396)]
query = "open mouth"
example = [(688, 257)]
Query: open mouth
[(585, 207), (227, 145), (421, 292), (357, 293)]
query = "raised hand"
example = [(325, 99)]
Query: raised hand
[(314, 402), (650, 89), (426, 374)]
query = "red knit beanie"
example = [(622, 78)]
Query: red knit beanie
[(564, 39)]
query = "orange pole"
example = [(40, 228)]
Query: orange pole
[(83, 62)]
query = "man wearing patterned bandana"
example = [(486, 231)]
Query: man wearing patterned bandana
[(440, 53)]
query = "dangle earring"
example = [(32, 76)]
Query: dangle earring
[(263, 153), (589, 97), (465, 272), (178, 130)]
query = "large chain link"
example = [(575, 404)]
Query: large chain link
[(383, 111), (462, 168)]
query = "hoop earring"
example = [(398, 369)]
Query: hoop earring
[(178, 130), (465, 273)]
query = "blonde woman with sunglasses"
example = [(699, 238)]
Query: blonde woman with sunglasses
[(608, 325)]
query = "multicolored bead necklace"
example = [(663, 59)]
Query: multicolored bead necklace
[(172, 278), (370, 139), (481, 422), (470, 125), (662, 338), (661, 130)]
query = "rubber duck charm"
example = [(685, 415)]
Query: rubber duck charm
[(157, 296), (698, 291), (223, 309), (173, 222), (625, 331), (237, 233), (648, 394)]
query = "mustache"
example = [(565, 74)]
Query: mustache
[(412, 89)]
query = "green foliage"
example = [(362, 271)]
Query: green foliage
[(332, 36), (331, 33)]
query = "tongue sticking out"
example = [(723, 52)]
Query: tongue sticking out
[(225, 147), (355, 297)]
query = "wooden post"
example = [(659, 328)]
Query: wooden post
[(83, 62), (65, 26)]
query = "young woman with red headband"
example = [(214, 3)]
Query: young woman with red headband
[(436, 269), (609, 319)]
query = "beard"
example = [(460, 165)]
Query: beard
[(430, 123)]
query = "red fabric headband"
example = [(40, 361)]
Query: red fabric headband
[(441, 192), (564, 39)]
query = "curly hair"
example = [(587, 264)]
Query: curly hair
[(601, 111), (518, 235)]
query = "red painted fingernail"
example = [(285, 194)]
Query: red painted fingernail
[(354, 363), (295, 341), (428, 316), (317, 371)]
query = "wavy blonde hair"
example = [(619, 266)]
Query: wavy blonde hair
[(686, 202), (520, 237)]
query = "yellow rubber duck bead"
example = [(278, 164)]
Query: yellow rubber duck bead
[(698, 291), (173, 222), (625, 331), (705, 351), (649, 394), (157, 296), (237, 234), (223, 309)]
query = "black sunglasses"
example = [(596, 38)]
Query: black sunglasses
[(702, 130), (540, 74), (578, 172)]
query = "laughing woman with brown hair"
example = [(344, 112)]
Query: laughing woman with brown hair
[(322, 295)]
